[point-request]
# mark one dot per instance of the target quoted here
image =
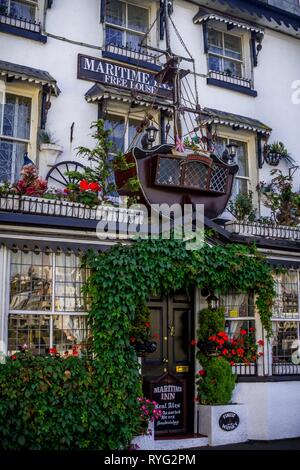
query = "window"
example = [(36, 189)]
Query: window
[(225, 53), (126, 23), (242, 179), (239, 312), (25, 9), (15, 123), (123, 132), (47, 307), (286, 324)]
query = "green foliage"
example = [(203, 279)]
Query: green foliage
[(211, 321), (242, 207), (280, 197), (55, 403), (217, 383)]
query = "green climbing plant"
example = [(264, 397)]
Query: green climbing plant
[(121, 281)]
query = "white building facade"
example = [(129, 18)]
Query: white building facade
[(64, 64)]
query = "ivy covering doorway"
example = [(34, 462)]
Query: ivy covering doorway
[(120, 284)]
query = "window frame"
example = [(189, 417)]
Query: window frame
[(125, 28), (223, 56), (27, 91), (285, 318), (52, 312), (33, 3)]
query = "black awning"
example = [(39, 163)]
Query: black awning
[(204, 17), (99, 92), (291, 264), (28, 74), (256, 8), (236, 121), (54, 246)]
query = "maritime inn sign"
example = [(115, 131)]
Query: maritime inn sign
[(121, 76)]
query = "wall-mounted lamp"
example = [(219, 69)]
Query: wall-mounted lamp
[(230, 152), (150, 136)]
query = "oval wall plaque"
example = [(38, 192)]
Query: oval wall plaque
[(229, 421)]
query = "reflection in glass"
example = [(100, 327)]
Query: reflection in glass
[(285, 342), (28, 332), (70, 330), (286, 303)]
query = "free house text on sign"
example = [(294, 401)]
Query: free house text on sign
[(121, 76)]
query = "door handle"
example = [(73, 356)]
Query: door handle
[(172, 330)]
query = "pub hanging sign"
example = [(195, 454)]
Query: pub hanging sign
[(121, 76)]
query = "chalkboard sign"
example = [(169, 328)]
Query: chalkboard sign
[(229, 421), (170, 395)]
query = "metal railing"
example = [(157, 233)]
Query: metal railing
[(233, 79), (63, 208), (20, 22), (139, 54), (285, 369), (256, 229), (245, 369)]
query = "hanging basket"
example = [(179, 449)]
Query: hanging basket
[(272, 159)]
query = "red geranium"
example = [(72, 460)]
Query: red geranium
[(193, 342), (252, 329), (94, 186), (83, 185), (260, 342), (147, 324), (243, 332), (201, 372), (52, 351), (14, 357)]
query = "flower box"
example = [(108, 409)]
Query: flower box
[(145, 441), (63, 208), (223, 424)]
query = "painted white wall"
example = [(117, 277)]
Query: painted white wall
[(273, 409), (278, 68)]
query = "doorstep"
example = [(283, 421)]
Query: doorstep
[(180, 442)]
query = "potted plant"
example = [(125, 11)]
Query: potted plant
[(219, 419), (242, 207), (49, 149), (275, 152), (145, 434)]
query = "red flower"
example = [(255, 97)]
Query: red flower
[(260, 342), (95, 186), (232, 363), (212, 338), (225, 352), (243, 332), (252, 329), (14, 357), (201, 372), (260, 354), (75, 352), (147, 324), (83, 185), (240, 352), (67, 190), (132, 339), (52, 350), (220, 341), (233, 352), (156, 335), (193, 342), (195, 400)]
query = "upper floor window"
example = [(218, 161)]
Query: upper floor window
[(15, 124), (225, 53), (126, 23), (25, 9)]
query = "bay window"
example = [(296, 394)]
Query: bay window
[(286, 324), (125, 23), (47, 308), (15, 130)]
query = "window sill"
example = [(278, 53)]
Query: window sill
[(125, 57), (232, 86), (33, 35)]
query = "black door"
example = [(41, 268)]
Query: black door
[(169, 372)]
